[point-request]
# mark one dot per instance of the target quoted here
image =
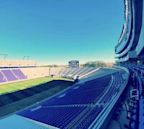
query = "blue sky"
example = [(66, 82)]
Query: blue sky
[(56, 31)]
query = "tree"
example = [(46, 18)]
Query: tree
[(95, 64)]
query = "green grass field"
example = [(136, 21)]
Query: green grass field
[(15, 86)]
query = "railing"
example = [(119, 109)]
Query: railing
[(101, 118)]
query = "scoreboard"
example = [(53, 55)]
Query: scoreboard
[(74, 63)]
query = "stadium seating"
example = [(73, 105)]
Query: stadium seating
[(57, 116), (2, 79), (89, 118), (8, 75), (82, 102), (72, 72), (81, 93), (18, 73)]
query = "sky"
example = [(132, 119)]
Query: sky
[(56, 31)]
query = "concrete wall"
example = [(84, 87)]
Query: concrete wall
[(36, 72)]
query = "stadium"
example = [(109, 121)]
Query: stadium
[(76, 96)]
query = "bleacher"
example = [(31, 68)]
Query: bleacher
[(59, 116), (8, 75), (72, 72), (85, 93), (79, 105)]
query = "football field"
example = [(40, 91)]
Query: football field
[(15, 86)]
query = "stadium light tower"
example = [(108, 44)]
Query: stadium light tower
[(23, 57), (4, 56), (26, 57)]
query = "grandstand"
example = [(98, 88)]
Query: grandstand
[(7, 75), (89, 101), (130, 54), (80, 72), (34, 97), (20, 84), (84, 101)]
